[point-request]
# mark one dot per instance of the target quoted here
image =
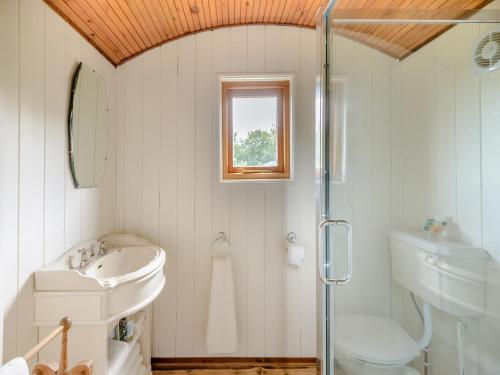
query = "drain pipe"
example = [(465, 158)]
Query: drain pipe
[(426, 337), (426, 319), (427, 363), (461, 329)]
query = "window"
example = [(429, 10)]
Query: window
[(256, 130)]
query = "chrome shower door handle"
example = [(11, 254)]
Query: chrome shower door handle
[(324, 263)]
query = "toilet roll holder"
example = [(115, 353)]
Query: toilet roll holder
[(294, 252), (291, 237)]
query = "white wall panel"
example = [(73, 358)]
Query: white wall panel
[(221, 192), (445, 128), (203, 186), (9, 171), (273, 60), (151, 102), (194, 205), (256, 306), (238, 207), (31, 162), (305, 165), (468, 142), (273, 271), (55, 136), (490, 184), (42, 213), (186, 196), (132, 149), (167, 307), (151, 144), (380, 175), (291, 208)]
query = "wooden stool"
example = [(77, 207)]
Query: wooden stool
[(52, 368)]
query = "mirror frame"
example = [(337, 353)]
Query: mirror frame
[(71, 159)]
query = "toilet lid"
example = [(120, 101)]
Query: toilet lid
[(374, 339)]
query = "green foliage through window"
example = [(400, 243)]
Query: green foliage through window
[(257, 149)]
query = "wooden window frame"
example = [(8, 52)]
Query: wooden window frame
[(274, 87)]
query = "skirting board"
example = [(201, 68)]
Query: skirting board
[(210, 363)]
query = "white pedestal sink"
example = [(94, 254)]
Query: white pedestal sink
[(116, 285)]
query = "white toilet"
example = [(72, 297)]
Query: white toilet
[(373, 345)]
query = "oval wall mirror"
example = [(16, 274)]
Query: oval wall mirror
[(88, 128)]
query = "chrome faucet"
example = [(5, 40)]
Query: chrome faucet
[(86, 255), (104, 247)]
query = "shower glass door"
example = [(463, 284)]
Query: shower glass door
[(408, 128)]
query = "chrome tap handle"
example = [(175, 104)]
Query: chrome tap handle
[(103, 250), (84, 256)]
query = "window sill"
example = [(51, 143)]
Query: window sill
[(256, 177)]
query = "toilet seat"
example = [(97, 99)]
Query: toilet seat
[(375, 340)]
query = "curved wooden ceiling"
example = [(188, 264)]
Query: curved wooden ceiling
[(400, 40), (123, 29)]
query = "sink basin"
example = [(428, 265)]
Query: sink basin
[(124, 265), (126, 279)]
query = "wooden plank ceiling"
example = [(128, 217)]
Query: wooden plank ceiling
[(398, 40), (123, 29)]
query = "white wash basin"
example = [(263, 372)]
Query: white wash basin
[(119, 266), (127, 278), (125, 265)]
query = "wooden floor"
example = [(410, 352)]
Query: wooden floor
[(252, 371), (237, 366)]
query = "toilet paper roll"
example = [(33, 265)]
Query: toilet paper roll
[(294, 254)]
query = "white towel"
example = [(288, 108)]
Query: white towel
[(221, 329), (17, 366)]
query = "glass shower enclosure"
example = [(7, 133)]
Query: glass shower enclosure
[(407, 137)]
